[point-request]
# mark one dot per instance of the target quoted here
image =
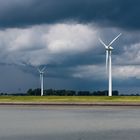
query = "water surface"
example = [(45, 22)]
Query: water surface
[(69, 123)]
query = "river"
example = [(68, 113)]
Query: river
[(69, 123)]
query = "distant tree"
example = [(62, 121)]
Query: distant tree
[(115, 93), (49, 92), (35, 92), (70, 93), (52, 92), (83, 93), (30, 92)]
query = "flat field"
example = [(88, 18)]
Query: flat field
[(70, 99)]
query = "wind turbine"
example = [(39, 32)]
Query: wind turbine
[(41, 72), (109, 61)]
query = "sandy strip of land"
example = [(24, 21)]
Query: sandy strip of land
[(73, 103)]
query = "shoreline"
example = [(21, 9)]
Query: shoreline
[(70, 104)]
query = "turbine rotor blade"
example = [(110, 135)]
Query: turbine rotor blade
[(103, 43), (114, 39), (43, 69), (40, 78), (39, 70), (106, 60)]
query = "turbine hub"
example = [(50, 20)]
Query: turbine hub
[(109, 48)]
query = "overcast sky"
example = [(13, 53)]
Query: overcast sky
[(63, 36)]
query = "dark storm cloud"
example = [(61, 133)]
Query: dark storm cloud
[(119, 13), (66, 41)]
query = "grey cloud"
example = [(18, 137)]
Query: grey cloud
[(65, 45), (63, 35), (117, 13), (46, 44)]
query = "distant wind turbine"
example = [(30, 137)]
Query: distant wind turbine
[(41, 72), (109, 62)]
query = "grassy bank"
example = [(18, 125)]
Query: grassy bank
[(69, 99)]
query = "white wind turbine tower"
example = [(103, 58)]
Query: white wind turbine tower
[(41, 72), (108, 62)]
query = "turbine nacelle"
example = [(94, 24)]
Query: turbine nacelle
[(41, 71), (109, 48)]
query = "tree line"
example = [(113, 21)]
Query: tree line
[(53, 92)]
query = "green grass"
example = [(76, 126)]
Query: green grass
[(69, 99)]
